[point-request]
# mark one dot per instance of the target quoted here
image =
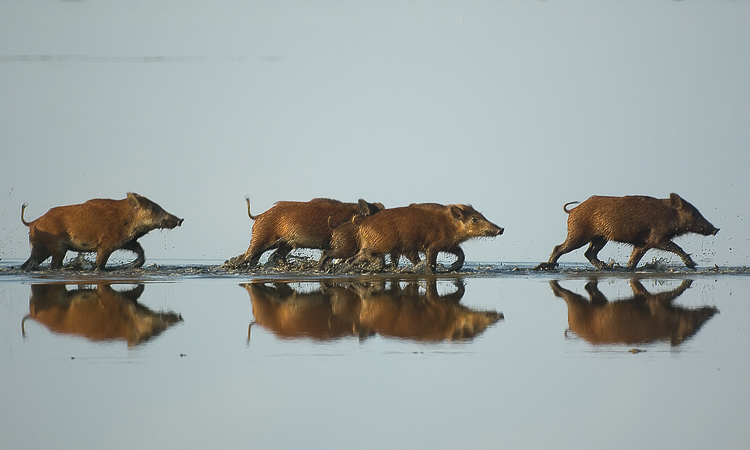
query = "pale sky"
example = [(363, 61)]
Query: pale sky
[(513, 106)]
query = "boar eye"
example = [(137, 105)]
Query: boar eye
[(473, 220)]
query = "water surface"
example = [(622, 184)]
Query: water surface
[(187, 355)]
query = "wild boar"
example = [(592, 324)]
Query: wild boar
[(641, 319), (406, 313), (98, 225), (345, 244), (101, 314), (644, 222), (337, 310), (413, 229), (289, 314), (290, 225)]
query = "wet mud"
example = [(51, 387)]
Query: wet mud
[(307, 267)]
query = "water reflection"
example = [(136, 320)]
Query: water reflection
[(392, 308), (97, 314), (643, 318)]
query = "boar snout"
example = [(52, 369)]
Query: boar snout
[(171, 222), (706, 229), (491, 230)]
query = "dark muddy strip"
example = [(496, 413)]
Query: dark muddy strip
[(304, 269)]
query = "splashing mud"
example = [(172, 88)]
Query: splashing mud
[(306, 267)]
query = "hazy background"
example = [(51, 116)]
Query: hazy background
[(516, 107)]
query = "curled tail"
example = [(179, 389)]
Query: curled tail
[(247, 199), (23, 208), (23, 324), (565, 207)]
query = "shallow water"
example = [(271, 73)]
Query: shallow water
[(494, 356)]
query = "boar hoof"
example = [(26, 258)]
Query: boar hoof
[(455, 267), (546, 266)]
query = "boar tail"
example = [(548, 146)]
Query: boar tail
[(23, 208), (23, 324), (565, 207), (252, 217)]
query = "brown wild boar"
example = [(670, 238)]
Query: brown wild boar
[(289, 314), (290, 225), (644, 222), (642, 319), (101, 314), (413, 229), (407, 313), (98, 225), (337, 310), (345, 244)]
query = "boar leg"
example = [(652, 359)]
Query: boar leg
[(636, 256), (395, 259), (596, 296), (431, 257), (58, 255), (459, 263), (256, 249), (253, 254), (135, 247), (413, 257), (280, 254), (325, 256), (102, 256), (38, 255), (595, 247), (367, 256), (568, 246), (670, 246), (329, 254), (251, 258)]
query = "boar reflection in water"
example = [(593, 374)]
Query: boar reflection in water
[(362, 309), (100, 314), (641, 319)]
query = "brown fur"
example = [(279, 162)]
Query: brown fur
[(408, 314), (642, 319), (413, 229), (344, 242), (290, 225), (644, 222), (98, 225), (100, 314), (336, 311), (289, 314)]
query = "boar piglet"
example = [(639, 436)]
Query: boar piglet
[(345, 244), (98, 225), (413, 229), (290, 225), (644, 222)]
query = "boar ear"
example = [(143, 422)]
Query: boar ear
[(133, 199), (457, 212), (676, 200), (364, 207)]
